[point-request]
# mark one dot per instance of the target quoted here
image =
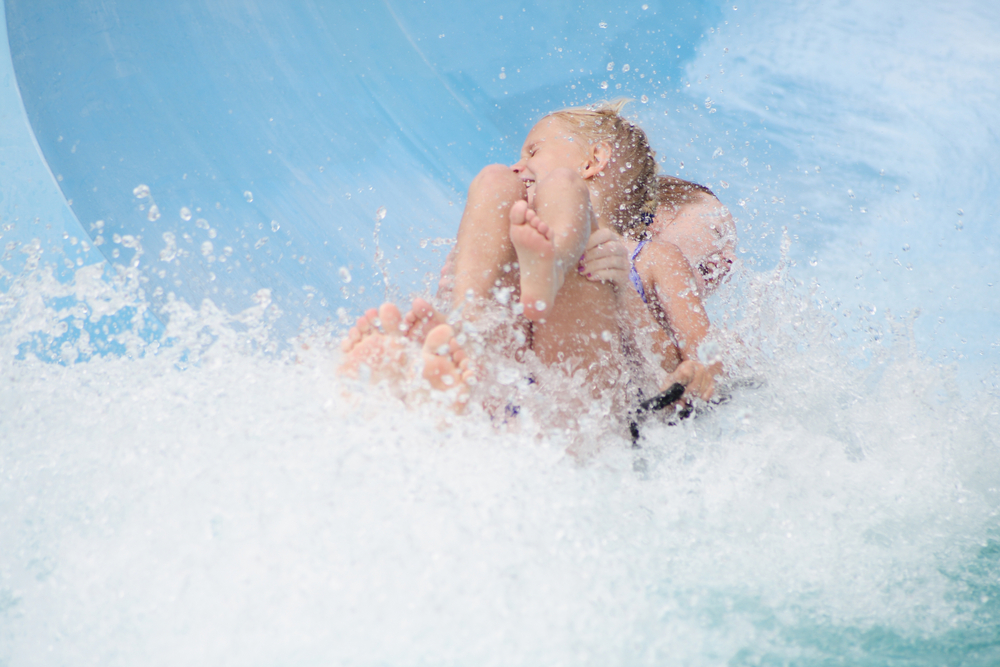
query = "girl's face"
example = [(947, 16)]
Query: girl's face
[(549, 146)]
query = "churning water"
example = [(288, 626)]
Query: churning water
[(207, 493)]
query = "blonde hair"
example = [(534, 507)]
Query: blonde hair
[(631, 157)]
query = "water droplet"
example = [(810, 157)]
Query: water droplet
[(906, 246), (916, 195), (141, 191), (248, 196), (201, 223), (345, 275), (602, 25), (961, 212), (850, 193), (611, 66), (154, 213), (682, 165), (540, 305), (724, 185), (275, 226), (717, 153), (170, 251), (606, 336), (260, 243), (206, 248), (604, 85), (813, 261), (626, 67), (380, 213), (644, 99), (645, 7), (185, 213), (503, 75)]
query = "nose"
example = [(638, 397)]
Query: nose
[(518, 166)]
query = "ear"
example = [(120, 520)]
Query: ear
[(597, 159)]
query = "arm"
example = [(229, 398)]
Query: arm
[(676, 303)]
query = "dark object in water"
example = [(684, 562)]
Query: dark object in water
[(665, 398)]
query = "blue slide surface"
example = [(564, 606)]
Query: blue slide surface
[(240, 146)]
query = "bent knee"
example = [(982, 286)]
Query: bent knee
[(499, 180)]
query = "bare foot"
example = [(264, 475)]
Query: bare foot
[(446, 366), (376, 342), (541, 274), (420, 320)]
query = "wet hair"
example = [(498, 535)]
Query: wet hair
[(631, 156), (674, 192)]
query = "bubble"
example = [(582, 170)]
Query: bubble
[(206, 248), (626, 67), (503, 75), (906, 246), (154, 213), (724, 185), (141, 191), (540, 305), (645, 7), (644, 99), (170, 251), (813, 261), (261, 242), (201, 223), (185, 213), (248, 196), (380, 213), (961, 212), (604, 85), (275, 226), (345, 275), (602, 25), (611, 66)]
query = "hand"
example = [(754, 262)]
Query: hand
[(606, 259), (697, 378)]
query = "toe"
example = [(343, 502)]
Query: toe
[(388, 313)]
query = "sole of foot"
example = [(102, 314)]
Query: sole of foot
[(533, 241), (375, 341), (446, 366)]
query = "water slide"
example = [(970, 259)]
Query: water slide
[(172, 169)]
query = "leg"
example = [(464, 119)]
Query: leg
[(549, 238), (483, 248)]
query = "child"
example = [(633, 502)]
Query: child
[(523, 231), (683, 254)]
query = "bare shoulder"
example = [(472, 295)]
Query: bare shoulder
[(661, 258)]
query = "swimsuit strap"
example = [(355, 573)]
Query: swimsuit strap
[(633, 275)]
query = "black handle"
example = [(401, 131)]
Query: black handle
[(665, 398)]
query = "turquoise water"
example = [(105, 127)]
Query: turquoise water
[(183, 483)]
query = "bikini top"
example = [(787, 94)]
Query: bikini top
[(633, 275)]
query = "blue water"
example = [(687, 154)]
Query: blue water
[(182, 481)]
